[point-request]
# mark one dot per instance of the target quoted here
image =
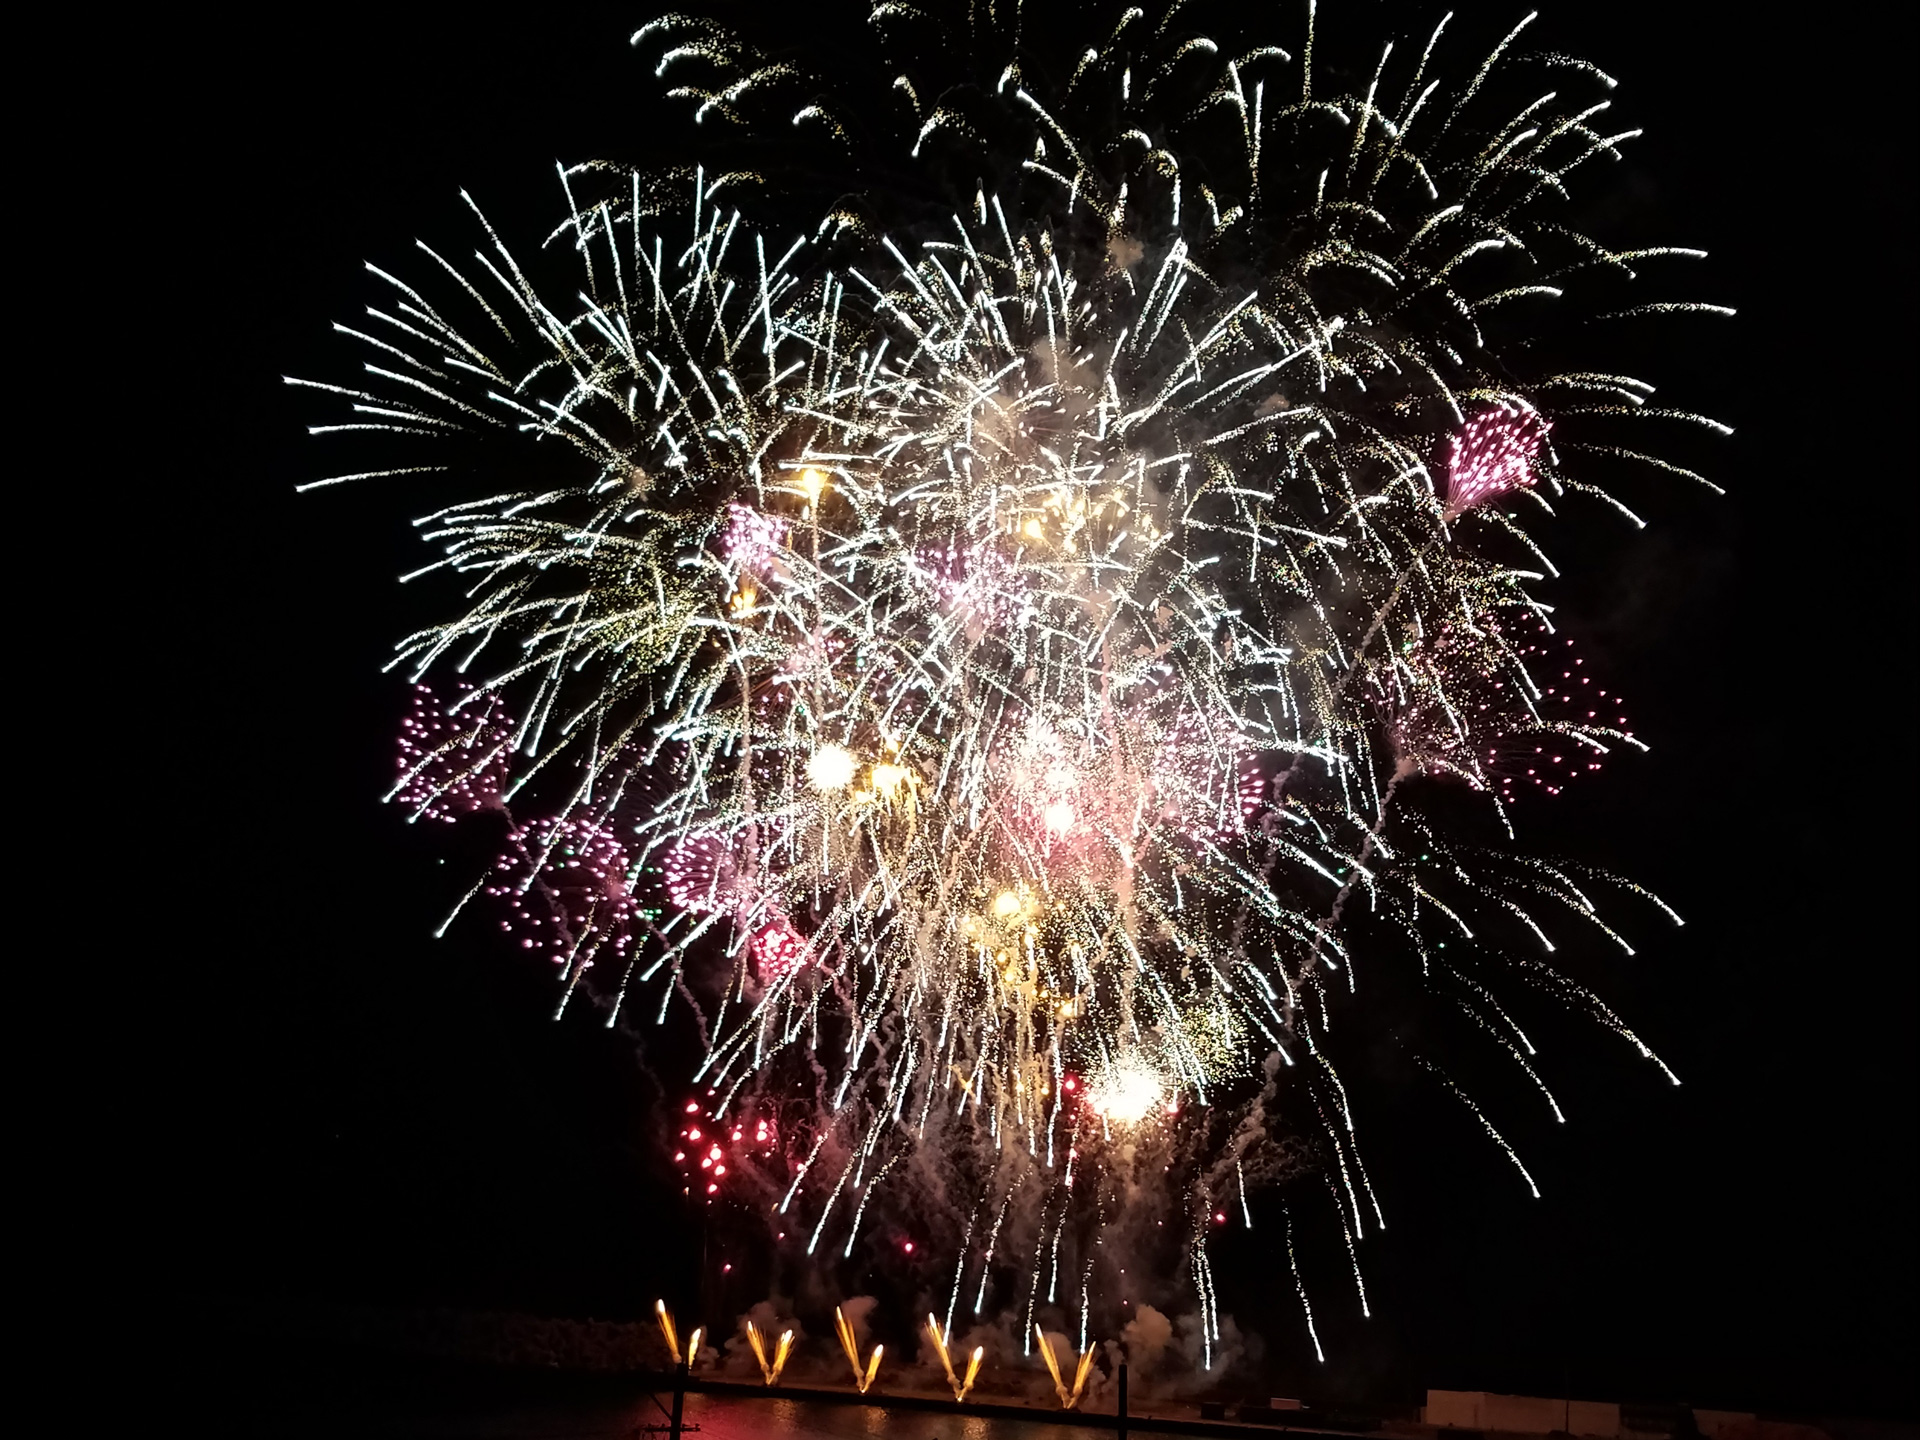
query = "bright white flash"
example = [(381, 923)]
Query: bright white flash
[(1126, 1091), (831, 768)]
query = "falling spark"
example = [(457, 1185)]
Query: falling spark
[(1306, 1305)]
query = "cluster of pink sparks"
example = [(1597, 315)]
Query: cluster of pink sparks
[(565, 884), (453, 761), (700, 874), (778, 948), (977, 583), (1570, 701), (1493, 454), (753, 539), (1532, 734)]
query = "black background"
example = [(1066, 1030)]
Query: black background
[(332, 1106)]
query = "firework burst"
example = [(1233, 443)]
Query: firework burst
[(997, 627), (452, 764)]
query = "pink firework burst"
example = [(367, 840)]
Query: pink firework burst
[(701, 874), (975, 581), (1204, 781), (1492, 454), (1503, 706), (752, 540), (1570, 704), (452, 761), (565, 884)]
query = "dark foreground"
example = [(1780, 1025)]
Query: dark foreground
[(371, 1396), (324, 1392), (276, 1385), (736, 1417)]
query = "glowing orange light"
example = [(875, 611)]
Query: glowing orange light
[(890, 779)]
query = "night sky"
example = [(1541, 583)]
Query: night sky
[(336, 1107)]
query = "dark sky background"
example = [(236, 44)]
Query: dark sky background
[(341, 1108)]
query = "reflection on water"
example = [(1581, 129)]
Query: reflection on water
[(472, 1416), (726, 1417)]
